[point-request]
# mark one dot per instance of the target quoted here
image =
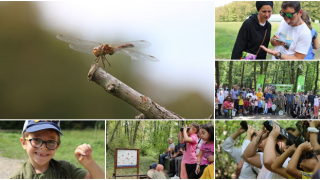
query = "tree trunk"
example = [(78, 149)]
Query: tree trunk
[(292, 72), (299, 72), (243, 65), (306, 77), (261, 67), (283, 72), (107, 134), (277, 71), (316, 83), (114, 131), (217, 73), (265, 72), (135, 132), (254, 74), (230, 76)]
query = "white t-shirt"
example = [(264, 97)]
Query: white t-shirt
[(236, 155), (297, 39), (316, 102), (171, 145), (266, 174)]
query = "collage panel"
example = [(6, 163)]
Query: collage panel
[(267, 149), (147, 57), (267, 90), (160, 149), (52, 149), (260, 30)]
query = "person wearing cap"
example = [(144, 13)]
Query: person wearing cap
[(254, 30), (41, 140), (293, 32)]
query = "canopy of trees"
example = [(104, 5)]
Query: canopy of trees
[(245, 73), (238, 11)]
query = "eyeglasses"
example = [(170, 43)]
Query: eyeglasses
[(288, 15), (36, 143)]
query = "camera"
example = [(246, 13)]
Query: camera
[(244, 125), (188, 128)]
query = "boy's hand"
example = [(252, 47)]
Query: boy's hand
[(250, 131), (241, 130), (83, 154), (305, 147), (264, 133), (313, 123), (275, 131), (292, 148)]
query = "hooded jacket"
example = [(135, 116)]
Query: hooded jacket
[(250, 37)]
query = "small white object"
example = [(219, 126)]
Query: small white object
[(313, 129), (280, 113)]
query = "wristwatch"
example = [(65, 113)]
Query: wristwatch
[(279, 57)]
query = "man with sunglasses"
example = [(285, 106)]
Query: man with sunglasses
[(292, 39), (41, 140)]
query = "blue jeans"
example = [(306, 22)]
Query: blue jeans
[(162, 156)]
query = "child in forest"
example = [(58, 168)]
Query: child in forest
[(256, 104), (206, 150), (265, 107), (41, 140), (189, 159), (269, 106), (240, 107)]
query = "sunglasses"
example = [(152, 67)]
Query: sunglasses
[(288, 15)]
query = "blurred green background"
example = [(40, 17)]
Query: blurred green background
[(75, 133), (41, 77)]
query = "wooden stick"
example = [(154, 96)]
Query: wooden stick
[(144, 104)]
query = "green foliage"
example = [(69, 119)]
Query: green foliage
[(278, 72), (238, 11), (224, 165), (152, 140)]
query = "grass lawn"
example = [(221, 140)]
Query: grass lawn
[(145, 162), (10, 145)]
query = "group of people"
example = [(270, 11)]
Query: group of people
[(294, 39), (270, 155), (268, 102), (194, 152)]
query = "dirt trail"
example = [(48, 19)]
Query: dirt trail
[(9, 166)]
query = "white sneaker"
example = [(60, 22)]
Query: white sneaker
[(175, 177)]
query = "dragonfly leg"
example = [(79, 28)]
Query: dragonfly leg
[(102, 60), (107, 61)]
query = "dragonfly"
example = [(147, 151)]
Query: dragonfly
[(101, 50)]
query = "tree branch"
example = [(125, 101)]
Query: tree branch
[(117, 88)]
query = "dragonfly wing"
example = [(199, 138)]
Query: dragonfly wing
[(82, 48), (134, 44), (73, 40), (138, 56)]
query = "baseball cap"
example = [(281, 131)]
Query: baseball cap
[(37, 125), (154, 166)]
